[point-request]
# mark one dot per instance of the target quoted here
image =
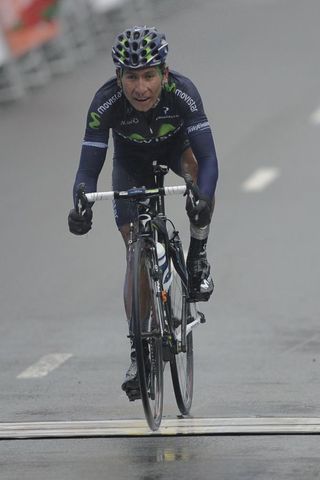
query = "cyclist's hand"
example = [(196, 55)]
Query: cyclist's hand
[(80, 218), (79, 224), (198, 206)]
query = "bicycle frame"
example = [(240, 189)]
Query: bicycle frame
[(148, 217), (143, 225)]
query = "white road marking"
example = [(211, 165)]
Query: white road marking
[(315, 117), (45, 365), (169, 427), (260, 179)]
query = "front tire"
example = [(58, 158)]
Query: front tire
[(147, 316)]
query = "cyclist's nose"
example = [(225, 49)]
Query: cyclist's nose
[(140, 87)]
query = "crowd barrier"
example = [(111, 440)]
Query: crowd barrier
[(41, 38)]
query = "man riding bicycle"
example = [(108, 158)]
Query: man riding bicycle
[(154, 114)]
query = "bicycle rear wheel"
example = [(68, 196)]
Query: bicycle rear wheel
[(181, 363), (147, 316)]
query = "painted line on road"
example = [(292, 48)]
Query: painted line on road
[(169, 427), (260, 179), (45, 365), (315, 117)]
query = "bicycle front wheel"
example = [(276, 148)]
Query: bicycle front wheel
[(181, 363), (147, 316)]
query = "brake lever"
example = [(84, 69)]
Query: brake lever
[(81, 199), (191, 194)]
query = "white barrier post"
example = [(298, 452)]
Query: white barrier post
[(11, 83)]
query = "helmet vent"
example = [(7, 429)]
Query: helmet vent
[(135, 59), (135, 46)]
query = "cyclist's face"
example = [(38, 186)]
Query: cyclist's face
[(142, 87)]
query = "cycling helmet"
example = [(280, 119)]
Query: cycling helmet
[(139, 47)]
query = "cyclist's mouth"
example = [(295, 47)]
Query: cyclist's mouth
[(142, 100)]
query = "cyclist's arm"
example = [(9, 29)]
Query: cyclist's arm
[(203, 147), (93, 153), (201, 141)]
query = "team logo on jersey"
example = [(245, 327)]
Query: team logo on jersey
[(170, 87), (189, 100), (111, 101), (166, 110), (165, 129), (95, 123), (131, 121)]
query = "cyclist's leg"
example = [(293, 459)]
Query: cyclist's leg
[(201, 286), (127, 292), (124, 178)]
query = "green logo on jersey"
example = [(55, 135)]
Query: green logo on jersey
[(170, 87), (136, 136), (165, 129), (95, 120)]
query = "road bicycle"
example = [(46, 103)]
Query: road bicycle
[(163, 315)]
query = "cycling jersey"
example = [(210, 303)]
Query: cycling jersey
[(179, 114)]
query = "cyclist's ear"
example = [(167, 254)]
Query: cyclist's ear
[(165, 75)]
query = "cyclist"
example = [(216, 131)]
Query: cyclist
[(154, 114)]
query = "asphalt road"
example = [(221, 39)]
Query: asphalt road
[(255, 64)]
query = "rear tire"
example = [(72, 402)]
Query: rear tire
[(147, 317), (181, 363)]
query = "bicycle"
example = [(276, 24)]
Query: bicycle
[(163, 315)]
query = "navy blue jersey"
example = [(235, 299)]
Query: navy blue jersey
[(179, 110)]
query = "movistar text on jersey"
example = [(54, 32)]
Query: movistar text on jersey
[(187, 99), (109, 102)]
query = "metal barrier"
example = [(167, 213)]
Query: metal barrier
[(76, 33)]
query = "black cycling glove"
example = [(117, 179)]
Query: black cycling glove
[(198, 206), (80, 218), (80, 224)]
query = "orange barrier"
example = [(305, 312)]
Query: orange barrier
[(28, 24)]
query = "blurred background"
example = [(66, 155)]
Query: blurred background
[(42, 38)]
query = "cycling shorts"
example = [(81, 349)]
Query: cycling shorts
[(132, 167)]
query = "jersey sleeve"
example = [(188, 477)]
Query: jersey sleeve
[(94, 148), (201, 139)]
